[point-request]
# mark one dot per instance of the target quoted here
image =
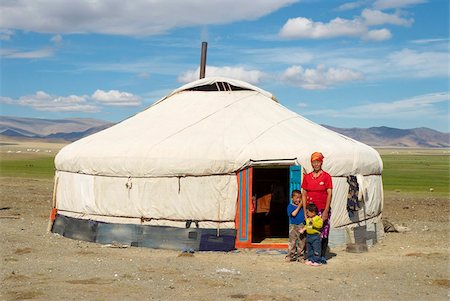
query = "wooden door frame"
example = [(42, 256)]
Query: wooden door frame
[(244, 219)]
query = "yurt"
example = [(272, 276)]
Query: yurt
[(190, 170)]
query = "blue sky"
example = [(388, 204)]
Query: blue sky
[(341, 63)]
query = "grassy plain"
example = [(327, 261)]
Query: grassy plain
[(28, 158), (416, 170), (405, 170), (38, 167)]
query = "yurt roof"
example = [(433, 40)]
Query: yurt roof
[(201, 130)]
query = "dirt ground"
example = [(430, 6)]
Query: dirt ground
[(36, 265)]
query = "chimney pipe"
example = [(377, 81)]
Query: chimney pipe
[(203, 60)]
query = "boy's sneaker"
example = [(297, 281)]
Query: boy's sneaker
[(323, 260), (315, 264)]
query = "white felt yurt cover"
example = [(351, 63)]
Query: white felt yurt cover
[(177, 159)]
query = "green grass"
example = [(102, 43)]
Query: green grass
[(402, 172), (416, 173), (30, 167)]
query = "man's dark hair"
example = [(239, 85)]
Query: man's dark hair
[(312, 207), (296, 191)]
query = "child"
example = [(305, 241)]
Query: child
[(296, 224), (314, 224)]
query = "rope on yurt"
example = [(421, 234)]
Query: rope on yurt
[(54, 210)]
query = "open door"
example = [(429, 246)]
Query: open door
[(295, 178), (244, 209), (264, 193)]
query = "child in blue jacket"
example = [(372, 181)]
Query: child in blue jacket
[(297, 239)]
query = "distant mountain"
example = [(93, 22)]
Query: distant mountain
[(16, 133), (72, 136), (392, 137), (67, 129), (42, 127), (77, 128)]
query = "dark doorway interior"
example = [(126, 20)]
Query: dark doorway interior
[(271, 190)]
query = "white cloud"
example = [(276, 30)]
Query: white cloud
[(419, 64), (307, 29), (358, 27), (351, 5), (34, 54), (429, 41), (42, 101), (141, 17), (378, 35), (386, 4), (319, 78), (116, 98), (378, 63), (376, 17), (250, 76), (418, 106)]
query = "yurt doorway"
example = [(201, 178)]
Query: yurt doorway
[(264, 193), (270, 197)]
